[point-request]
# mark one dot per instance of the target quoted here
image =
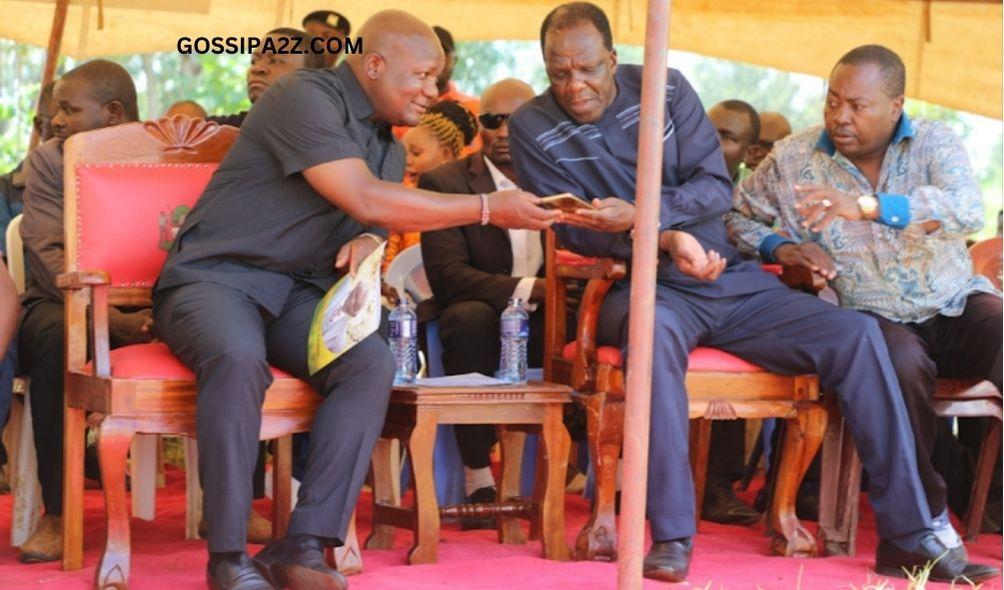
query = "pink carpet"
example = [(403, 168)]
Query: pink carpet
[(726, 558)]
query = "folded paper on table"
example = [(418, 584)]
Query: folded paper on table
[(348, 313), (464, 380)]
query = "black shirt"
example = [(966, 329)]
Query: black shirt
[(259, 225)]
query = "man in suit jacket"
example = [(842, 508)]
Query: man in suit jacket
[(475, 269)]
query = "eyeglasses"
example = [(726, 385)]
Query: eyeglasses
[(492, 120)]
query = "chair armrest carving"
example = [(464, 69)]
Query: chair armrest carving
[(569, 265), (584, 364)]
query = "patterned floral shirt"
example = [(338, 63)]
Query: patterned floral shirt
[(891, 266)]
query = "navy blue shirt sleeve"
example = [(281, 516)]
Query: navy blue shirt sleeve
[(540, 175), (705, 189)]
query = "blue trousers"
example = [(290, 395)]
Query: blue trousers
[(229, 342), (786, 332)]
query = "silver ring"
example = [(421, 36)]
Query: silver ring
[(826, 203)]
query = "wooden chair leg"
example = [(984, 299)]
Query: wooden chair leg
[(282, 482), (604, 427), (420, 449), (193, 489), (981, 485), (382, 535), (348, 558), (839, 486), (510, 529), (114, 438), (700, 445), (554, 443), (801, 441), (73, 488)]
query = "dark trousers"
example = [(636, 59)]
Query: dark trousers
[(727, 449), (40, 346), (785, 332), (230, 341), (469, 332), (967, 346)]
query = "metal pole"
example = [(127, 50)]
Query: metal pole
[(52, 53), (631, 538)]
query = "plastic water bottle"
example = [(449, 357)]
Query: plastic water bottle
[(404, 342), (515, 331)]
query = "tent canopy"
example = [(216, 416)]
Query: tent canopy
[(952, 49)]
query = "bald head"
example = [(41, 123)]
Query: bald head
[(499, 101), (402, 58), (505, 91), (392, 33)]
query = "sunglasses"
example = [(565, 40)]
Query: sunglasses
[(491, 120)]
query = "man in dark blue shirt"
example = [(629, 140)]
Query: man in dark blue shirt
[(581, 136)]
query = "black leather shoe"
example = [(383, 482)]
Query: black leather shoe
[(890, 560), (669, 561), (722, 506), (297, 562), (480, 496), (238, 573)]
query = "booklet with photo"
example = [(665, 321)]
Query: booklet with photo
[(566, 202), (348, 313)]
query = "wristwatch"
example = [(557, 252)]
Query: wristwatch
[(869, 206)]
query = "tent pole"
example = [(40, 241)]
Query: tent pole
[(631, 538), (52, 53)]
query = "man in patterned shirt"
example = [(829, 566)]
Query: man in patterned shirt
[(880, 204)]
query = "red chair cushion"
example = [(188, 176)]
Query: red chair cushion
[(129, 214), (702, 359), (156, 361)]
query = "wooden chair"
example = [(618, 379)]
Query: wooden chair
[(127, 189), (719, 387), (840, 484)]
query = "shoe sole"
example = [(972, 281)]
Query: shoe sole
[(298, 578), (886, 570), (38, 558), (664, 575)]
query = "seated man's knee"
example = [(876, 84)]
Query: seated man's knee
[(469, 318)]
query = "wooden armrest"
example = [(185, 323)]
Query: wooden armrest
[(803, 279), (568, 265), (584, 364), (82, 278)]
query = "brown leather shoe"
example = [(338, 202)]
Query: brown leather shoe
[(46, 543), (259, 529)]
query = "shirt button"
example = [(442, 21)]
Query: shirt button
[(895, 219)]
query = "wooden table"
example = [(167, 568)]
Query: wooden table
[(412, 418)]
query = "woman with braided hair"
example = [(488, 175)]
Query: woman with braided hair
[(440, 137)]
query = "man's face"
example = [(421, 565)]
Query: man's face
[(735, 133), (77, 110), (860, 117), (405, 81), (496, 141), (444, 79), (266, 69), (581, 71), (319, 29)]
